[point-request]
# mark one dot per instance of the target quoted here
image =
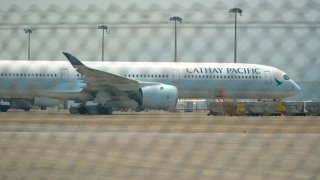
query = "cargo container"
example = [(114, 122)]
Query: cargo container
[(295, 109), (222, 108), (255, 108), (273, 108), (264, 108), (313, 108), (241, 108)]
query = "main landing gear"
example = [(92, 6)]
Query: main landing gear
[(91, 110)]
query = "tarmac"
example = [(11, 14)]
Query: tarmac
[(157, 145)]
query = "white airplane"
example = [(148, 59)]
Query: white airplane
[(152, 85)]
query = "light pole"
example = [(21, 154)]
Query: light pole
[(104, 28), (235, 11), (175, 19), (29, 31)]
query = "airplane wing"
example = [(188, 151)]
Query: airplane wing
[(100, 80)]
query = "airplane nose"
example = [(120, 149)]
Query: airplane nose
[(296, 88)]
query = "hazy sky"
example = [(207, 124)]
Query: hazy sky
[(142, 3), (84, 3), (298, 46)]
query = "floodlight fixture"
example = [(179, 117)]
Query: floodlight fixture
[(104, 28), (235, 11), (175, 19), (28, 31)]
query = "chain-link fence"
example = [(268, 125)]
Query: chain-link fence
[(271, 33), (278, 32), (284, 34)]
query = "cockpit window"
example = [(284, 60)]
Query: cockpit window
[(286, 77)]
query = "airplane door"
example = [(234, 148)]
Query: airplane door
[(64, 74), (176, 76), (267, 76)]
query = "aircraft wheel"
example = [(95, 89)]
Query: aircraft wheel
[(109, 110), (74, 110), (82, 110), (105, 110), (26, 109)]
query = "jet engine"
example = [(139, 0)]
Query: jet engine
[(160, 96)]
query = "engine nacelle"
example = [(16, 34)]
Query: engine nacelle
[(158, 97)]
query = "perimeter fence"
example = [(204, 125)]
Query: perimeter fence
[(48, 145)]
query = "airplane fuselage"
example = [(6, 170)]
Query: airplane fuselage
[(59, 79)]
